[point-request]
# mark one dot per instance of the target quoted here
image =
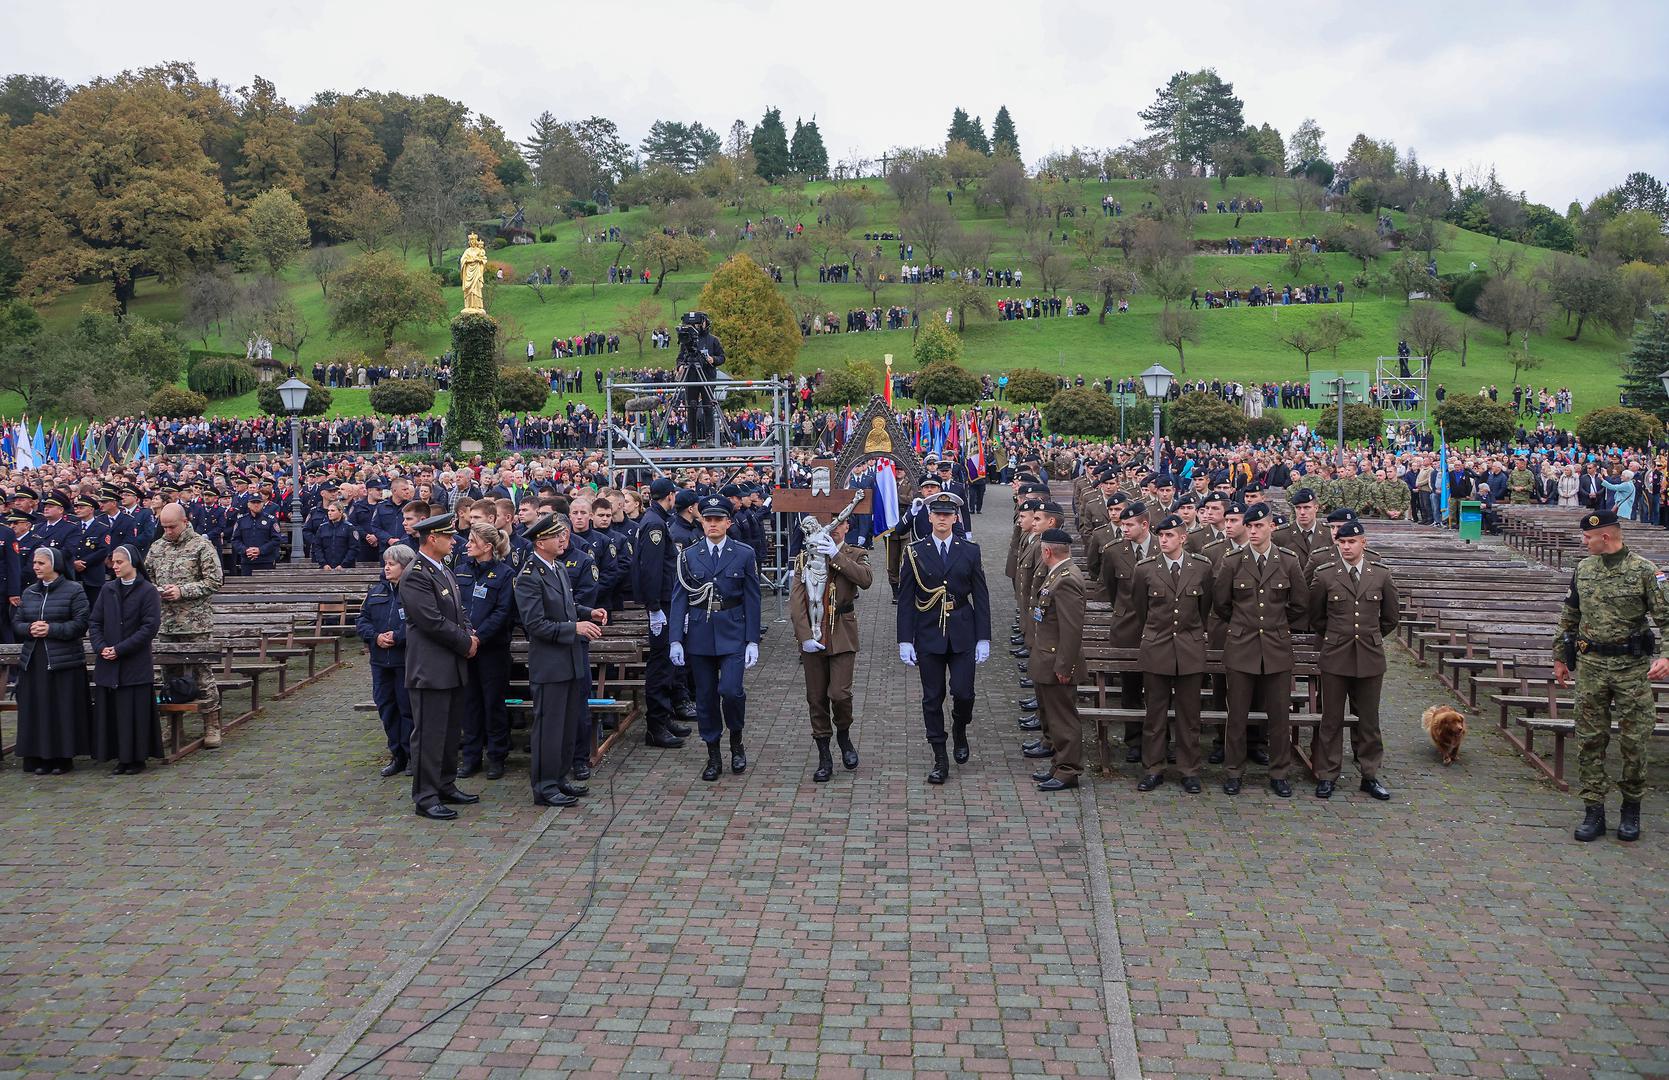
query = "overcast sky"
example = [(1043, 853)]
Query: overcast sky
[(1563, 99)]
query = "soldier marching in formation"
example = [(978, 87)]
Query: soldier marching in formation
[(822, 605)]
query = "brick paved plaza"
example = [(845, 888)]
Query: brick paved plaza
[(274, 910)]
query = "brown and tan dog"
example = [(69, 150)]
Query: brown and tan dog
[(1447, 729)]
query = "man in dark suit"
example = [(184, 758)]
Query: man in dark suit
[(653, 576), (558, 661), (439, 644), (944, 626), (714, 626)]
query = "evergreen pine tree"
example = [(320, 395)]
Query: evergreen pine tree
[(806, 154), (1647, 358), (960, 128), (1004, 141), (542, 146), (770, 147), (976, 137)]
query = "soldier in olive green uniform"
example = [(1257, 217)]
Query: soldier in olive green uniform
[(1603, 628)]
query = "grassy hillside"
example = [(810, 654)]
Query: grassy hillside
[(1241, 343)]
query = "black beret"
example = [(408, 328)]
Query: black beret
[(1029, 505), (1117, 498), (1257, 512), (1343, 513), (1255, 488), (1234, 506), (1214, 497), (1350, 528), (1057, 536), (1598, 519), (1165, 480), (1132, 510), (1050, 507), (1170, 522), (1302, 496)]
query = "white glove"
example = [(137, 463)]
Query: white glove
[(907, 653), (824, 546), (750, 657), (916, 505), (982, 651), (676, 651), (811, 646), (657, 623)]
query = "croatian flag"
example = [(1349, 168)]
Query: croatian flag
[(885, 510)]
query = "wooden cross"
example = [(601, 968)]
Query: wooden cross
[(819, 499)]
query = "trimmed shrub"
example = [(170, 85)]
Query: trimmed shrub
[(946, 384), (1268, 426), (402, 397), (1081, 411), (937, 343), (851, 385), (1619, 426), (218, 377), (1029, 385), (1467, 290), (1468, 417), (522, 389), (1203, 418), (171, 401), (318, 399)]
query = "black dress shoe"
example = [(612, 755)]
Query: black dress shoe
[(495, 770), (395, 766), (1029, 705), (1039, 751), (1031, 744), (437, 812), (681, 731), (459, 798), (940, 772), (1030, 723), (1043, 774), (1015, 641), (1055, 783), (1324, 789), (1231, 785), (558, 799), (581, 771), (1191, 784), (1132, 754), (467, 769), (1021, 653), (1216, 756), (664, 739), (1372, 786), (1150, 781), (715, 763), (577, 791), (685, 710), (1259, 754), (1026, 682), (848, 752), (1283, 788)]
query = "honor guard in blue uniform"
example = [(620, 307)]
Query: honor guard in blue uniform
[(335, 541), (559, 629), (255, 539), (957, 488), (654, 576), (91, 548), (714, 626), (944, 626)]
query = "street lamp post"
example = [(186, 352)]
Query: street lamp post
[(293, 394), (1156, 381)]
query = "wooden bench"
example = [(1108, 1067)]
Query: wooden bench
[(1545, 708)]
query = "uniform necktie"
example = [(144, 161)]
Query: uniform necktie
[(1356, 574), (1176, 571), (944, 550), (1260, 564)]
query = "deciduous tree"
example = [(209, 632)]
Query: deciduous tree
[(377, 295)]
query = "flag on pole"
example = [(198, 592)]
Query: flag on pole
[(1443, 482), (976, 447), (885, 510), (886, 383), (23, 451), (52, 444), (144, 450), (39, 444), (78, 451)]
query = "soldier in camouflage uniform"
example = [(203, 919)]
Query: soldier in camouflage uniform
[(186, 570), (1603, 627), (1521, 483), (1391, 497)]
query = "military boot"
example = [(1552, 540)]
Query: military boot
[(1593, 825), (211, 730), (825, 761), (1628, 829), (715, 763), (941, 765), (738, 756), (848, 752)]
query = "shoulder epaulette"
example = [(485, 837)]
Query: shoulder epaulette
[(1144, 562), (1288, 550), (1197, 555), (1319, 567)]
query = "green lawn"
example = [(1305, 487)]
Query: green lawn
[(1241, 343)]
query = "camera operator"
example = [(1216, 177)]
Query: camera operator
[(699, 357)]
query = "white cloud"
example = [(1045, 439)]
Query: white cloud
[(1563, 99)]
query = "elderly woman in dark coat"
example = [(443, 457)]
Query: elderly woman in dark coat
[(125, 618), (51, 620)]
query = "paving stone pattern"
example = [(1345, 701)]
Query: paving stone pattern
[(235, 914)]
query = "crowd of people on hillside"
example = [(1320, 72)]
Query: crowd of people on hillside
[(1266, 295), (337, 375)]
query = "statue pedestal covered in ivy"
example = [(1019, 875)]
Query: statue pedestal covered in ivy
[(473, 415)]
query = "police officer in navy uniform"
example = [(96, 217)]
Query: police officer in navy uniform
[(11, 578), (944, 626), (144, 521), (654, 574), (54, 530), (486, 582), (714, 626), (255, 538), (92, 546), (684, 525), (586, 586), (335, 540), (110, 515)]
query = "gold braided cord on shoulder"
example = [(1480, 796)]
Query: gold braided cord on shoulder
[(930, 597)]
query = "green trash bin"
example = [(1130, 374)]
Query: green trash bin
[(1471, 520)]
